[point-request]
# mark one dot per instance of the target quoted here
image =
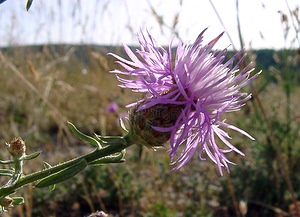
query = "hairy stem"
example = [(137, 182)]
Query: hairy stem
[(89, 158)]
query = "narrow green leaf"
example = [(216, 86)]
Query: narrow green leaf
[(46, 166), (6, 161), (110, 140), (1, 1), (18, 200), (116, 158), (6, 172), (14, 179), (83, 137), (63, 175), (52, 187), (28, 5), (31, 156), (101, 162)]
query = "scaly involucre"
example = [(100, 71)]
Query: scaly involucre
[(201, 82)]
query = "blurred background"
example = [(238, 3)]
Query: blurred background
[(54, 67)]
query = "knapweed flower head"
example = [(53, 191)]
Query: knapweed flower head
[(187, 92), (17, 147)]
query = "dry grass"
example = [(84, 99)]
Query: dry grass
[(43, 89)]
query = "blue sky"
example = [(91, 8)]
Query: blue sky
[(117, 21)]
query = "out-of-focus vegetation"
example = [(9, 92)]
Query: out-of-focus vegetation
[(41, 87), (59, 83)]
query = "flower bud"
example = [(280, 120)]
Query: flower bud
[(16, 147), (143, 121), (6, 202)]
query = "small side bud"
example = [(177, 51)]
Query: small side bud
[(6, 202), (17, 147), (142, 123)]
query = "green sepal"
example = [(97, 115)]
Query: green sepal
[(62, 175), (116, 158), (83, 137), (6, 172), (31, 156), (18, 200), (28, 5)]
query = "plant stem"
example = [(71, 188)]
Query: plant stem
[(90, 157)]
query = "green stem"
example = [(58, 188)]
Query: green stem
[(16, 174), (89, 158)]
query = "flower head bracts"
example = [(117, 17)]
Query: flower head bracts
[(200, 83)]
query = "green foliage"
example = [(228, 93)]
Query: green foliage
[(160, 209), (28, 4), (62, 175)]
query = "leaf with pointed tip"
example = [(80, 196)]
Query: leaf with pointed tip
[(28, 5), (47, 165), (116, 158), (6, 161), (6, 172), (31, 156), (110, 140), (18, 200), (52, 187), (83, 137), (62, 175), (14, 179)]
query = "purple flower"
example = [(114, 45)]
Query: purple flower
[(112, 107), (199, 83)]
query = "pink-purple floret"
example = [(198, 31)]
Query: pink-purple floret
[(197, 79)]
